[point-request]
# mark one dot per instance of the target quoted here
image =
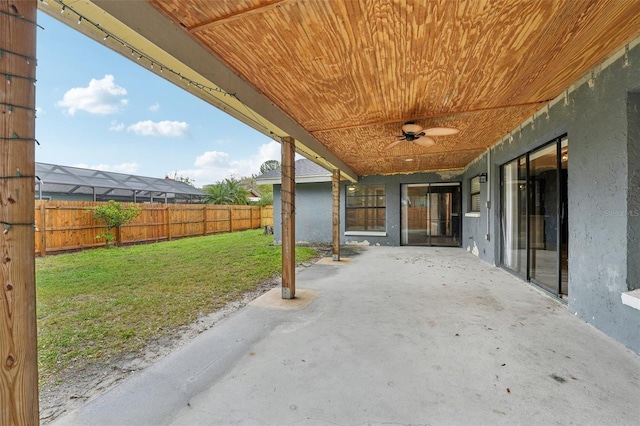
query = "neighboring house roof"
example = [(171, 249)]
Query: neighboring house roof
[(306, 172), (76, 180), (253, 195)]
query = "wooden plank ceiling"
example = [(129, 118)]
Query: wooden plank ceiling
[(352, 72)]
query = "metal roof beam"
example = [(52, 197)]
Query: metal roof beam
[(74, 189)]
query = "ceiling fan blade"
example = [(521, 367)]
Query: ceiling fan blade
[(392, 144), (441, 131), (425, 141)]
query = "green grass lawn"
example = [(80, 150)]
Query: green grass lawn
[(95, 304)]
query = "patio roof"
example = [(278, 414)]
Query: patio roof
[(75, 180), (342, 77)]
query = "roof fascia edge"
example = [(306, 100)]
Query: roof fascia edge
[(299, 179), (152, 25)]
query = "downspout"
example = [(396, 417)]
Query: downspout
[(487, 236)]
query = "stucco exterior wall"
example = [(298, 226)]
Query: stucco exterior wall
[(479, 234), (313, 213), (393, 206), (603, 192), (633, 217)]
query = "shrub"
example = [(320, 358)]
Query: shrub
[(114, 215)]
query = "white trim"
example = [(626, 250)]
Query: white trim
[(444, 184), (472, 214), (314, 178), (631, 298), (299, 179), (366, 233)]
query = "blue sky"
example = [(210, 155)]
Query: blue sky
[(96, 109)]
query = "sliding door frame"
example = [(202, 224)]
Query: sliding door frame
[(561, 198)]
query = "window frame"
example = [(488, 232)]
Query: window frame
[(370, 202), (473, 194)]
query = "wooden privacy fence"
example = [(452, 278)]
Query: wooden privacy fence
[(69, 225)]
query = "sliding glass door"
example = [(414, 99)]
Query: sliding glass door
[(534, 219), (514, 217), (543, 217), (431, 214)]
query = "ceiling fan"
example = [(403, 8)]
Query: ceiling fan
[(412, 132)]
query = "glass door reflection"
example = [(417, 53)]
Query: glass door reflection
[(431, 214), (514, 216), (543, 218), (534, 217)]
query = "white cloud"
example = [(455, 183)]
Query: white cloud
[(39, 111), (173, 129), (116, 127), (125, 167), (213, 166), (101, 97), (212, 159), (130, 168), (268, 151), (155, 107)]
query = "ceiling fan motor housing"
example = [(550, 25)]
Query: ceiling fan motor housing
[(411, 131), (410, 136)]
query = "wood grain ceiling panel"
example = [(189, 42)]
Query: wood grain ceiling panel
[(327, 46), (358, 146), (351, 72), (435, 161), (195, 14)]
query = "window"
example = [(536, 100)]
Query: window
[(474, 195), (366, 208)]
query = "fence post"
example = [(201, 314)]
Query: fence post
[(230, 219), (168, 220), (43, 229), (204, 220)]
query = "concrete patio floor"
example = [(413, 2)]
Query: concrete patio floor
[(395, 335)]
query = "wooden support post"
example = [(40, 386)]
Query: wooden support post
[(18, 341), (230, 219), (43, 229), (288, 192), (335, 190)]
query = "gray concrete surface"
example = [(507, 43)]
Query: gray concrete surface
[(397, 335)]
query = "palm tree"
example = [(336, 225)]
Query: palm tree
[(228, 191), (269, 165)]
